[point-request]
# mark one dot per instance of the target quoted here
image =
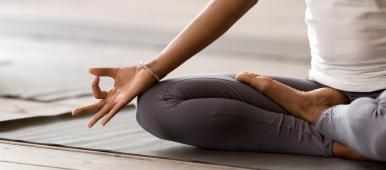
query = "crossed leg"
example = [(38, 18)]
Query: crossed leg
[(307, 105), (218, 112)]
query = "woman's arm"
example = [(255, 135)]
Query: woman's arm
[(129, 82), (212, 22)]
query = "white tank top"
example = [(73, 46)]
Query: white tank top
[(348, 43)]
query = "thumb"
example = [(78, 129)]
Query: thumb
[(110, 72)]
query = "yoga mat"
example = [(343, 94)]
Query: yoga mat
[(52, 70), (13, 109), (124, 135), (49, 74)]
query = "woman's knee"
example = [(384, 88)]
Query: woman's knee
[(157, 105), (151, 107), (362, 109), (359, 116), (366, 119)]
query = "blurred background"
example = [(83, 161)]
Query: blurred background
[(46, 46)]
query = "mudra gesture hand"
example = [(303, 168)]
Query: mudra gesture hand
[(129, 82)]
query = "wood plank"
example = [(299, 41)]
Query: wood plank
[(21, 166), (24, 154)]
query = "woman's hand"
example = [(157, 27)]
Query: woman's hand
[(129, 82)]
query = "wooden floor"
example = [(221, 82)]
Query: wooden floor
[(16, 155)]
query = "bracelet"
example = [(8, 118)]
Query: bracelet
[(143, 65)]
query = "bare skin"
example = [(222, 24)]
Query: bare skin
[(305, 105), (212, 22), (128, 83)]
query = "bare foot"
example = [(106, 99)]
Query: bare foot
[(306, 105)]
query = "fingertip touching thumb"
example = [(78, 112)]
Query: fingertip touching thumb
[(93, 71)]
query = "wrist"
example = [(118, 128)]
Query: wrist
[(156, 68), (144, 67)]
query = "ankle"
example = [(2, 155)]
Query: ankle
[(315, 102)]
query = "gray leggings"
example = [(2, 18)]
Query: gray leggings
[(218, 112)]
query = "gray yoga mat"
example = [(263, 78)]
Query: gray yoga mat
[(49, 76), (124, 135)]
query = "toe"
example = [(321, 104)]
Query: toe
[(245, 76)]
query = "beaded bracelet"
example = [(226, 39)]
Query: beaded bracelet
[(143, 65)]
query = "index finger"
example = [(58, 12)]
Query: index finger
[(88, 108), (98, 93)]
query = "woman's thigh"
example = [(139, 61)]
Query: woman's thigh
[(218, 112), (222, 86)]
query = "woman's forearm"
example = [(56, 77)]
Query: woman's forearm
[(212, 22)]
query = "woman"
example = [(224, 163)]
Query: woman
[(339, 112)]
